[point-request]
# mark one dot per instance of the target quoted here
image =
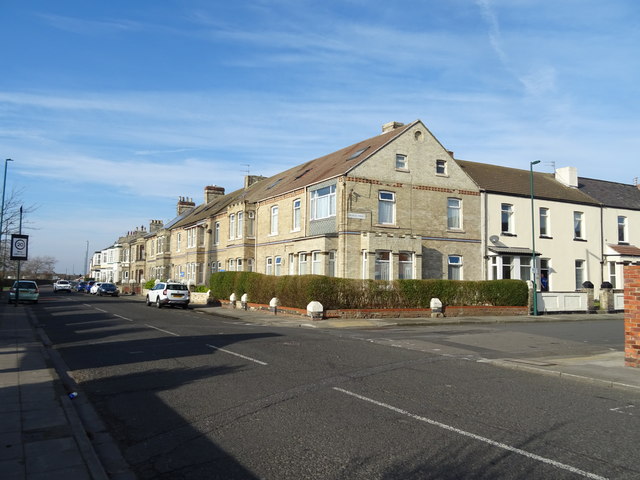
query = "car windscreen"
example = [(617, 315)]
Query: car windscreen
[(27, 285), (176, 286)]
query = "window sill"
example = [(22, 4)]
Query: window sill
[(546, 237), (579, 240), (403, 170), (507, 234), (386, 225), (455, 230)]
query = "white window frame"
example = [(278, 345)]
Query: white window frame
[(273, 226), (405, 266), (454, 213), (251, 223), (269, 266), (506, 212), (613, 274), (401, 162), (232, 226), (622, 229), (296, 215), (323, 203), (386, 203), (454, 267), (303, 263), (316, 263), (292, 264), (383, 265), (331, 263), (578, 225), (579, 273), (441, 167), (277, 266), (216, 233), (544, 222), (365, 264), (239, 224)]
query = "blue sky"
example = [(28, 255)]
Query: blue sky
[(113, 110)]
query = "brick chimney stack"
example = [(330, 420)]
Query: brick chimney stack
[(211, 192), (184, 204)]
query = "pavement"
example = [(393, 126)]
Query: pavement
[(48, 433)]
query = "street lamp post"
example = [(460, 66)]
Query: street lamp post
[(533, 241), (4, 187)]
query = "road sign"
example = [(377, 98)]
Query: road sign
[(19, 247)]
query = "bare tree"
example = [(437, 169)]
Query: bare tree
[(11, 225), (39, 267)]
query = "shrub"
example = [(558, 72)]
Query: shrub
[(149, 284), (336, 293)]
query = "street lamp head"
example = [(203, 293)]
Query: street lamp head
[(535, 162)]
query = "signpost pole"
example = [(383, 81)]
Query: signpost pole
[(18, 284)]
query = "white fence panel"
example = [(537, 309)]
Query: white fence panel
[(562, 302), (618, 301)]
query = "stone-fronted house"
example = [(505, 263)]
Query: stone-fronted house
[(566, 226), (389, 207)]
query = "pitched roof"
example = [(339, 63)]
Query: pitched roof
[(314, 171), (611, 194), (626, 250), (513, 181), (326, 167)]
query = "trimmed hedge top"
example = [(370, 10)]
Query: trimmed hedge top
[(340, 293)]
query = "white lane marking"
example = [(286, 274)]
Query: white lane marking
[(123, 318), (161, 330), (100, 310), (624, 410), (237, 355), (504, 446)]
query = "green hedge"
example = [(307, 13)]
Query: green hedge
[(336, 293)]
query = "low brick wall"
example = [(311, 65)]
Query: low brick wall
[(475, 311)]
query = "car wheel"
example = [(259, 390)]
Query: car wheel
[(158, 304), (184, 307), (148, 301)]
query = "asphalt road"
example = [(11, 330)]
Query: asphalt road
[(194, 396)]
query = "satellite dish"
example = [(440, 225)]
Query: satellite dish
[(494, 238)]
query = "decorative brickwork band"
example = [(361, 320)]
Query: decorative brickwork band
[(632, 316)]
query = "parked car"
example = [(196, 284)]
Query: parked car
[(62, 286), (94, 288), (87, 287), (81, 287), (168, 293), (26, 290), (108, 288)]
